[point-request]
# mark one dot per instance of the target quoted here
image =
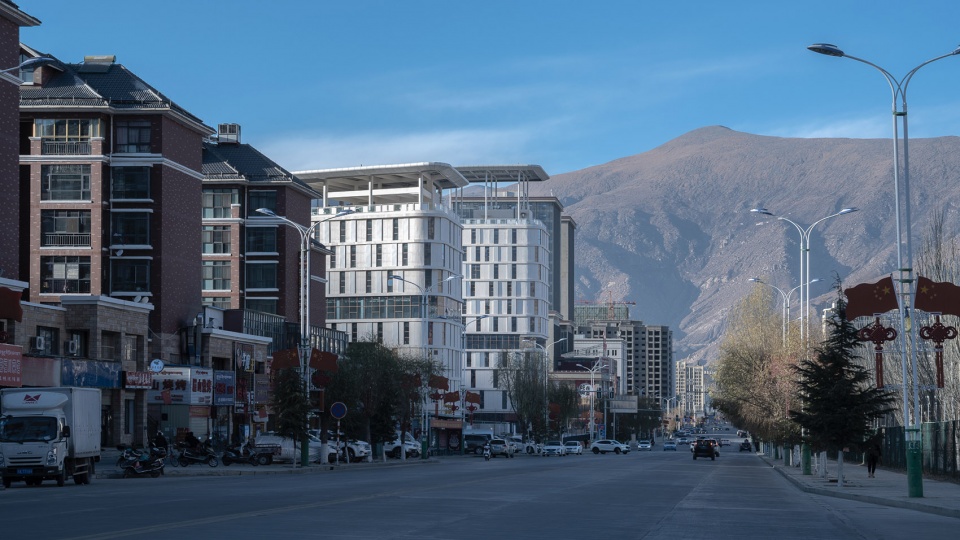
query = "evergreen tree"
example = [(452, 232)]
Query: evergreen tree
[(838, 396), (291, 404)]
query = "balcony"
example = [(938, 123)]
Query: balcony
[(65, 148), (66, 240)]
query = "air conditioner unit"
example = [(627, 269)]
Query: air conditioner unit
[(38, 343), (73, 347)]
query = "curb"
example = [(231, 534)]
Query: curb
[(873, 499), (246, 470)]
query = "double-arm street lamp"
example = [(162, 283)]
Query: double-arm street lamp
[(785, 308), (593, 392), (898, 89), (546, 375), (804, 260), (30, 62), (303, 350), (425, 350)]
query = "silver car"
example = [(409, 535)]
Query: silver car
[(609, 445)]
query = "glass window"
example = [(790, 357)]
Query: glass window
[(431, 227), (396, 229), (65, 228), (368, 281), (66, 136), (404, 253), (130, 183), (343, 231), (406, 333), (473, 236), (379, 255), (261, 239), (496, 236), (216, 275), (130, 275), (132, 136), (217, 202), (353, 256), (369, 227), (60, 275), (427, 254), (131, 228), (222, 302), (265, 305), (261, 199), (262, 275), (65, 182), (474, 271)]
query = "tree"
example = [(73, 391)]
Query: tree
[(567, 401), (522, 376), (837, 392), (291, 404)]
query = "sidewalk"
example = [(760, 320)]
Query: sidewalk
[(107, 468), (888, 488)]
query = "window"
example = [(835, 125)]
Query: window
[(486, 307), (427, 254), (431, 227), (513, 324), (265, 305), (65, 275), (221, 302), (133, 136), (65, 228), (489, 288), (396, 229), (533, 288), (343, 282), (473, 379), (353, 256), (343, 232), (495, 321), (51, 340), (130, 275), (404, 255), (257, 199), (378, 257), (368, 279), (476, 253), (261, 240), (472, 289), (513, 236), (353, 332), (262, 275), (66, 136), (473, 236), (509, 288), (496, 236), (369, 226), (513, 271), (130, 183), (496, 271), (215, 276), (509, 306), (216, 202), (430, 333), (131, 228), (469, 359), (486, 254), (380, 332), (474, 271), (406, 333), (513, 253), (389, 285), (333, 257), (65, 182)]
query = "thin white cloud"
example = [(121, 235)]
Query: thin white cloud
[(457, 147), (849, 128)]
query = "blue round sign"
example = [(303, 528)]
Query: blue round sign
[(338, 410)]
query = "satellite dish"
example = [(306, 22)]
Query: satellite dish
[(119, 252), (138, 299)]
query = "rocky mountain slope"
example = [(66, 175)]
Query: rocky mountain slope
[(671, 229)]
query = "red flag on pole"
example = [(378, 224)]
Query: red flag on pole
[(937, 297), (868, 298)]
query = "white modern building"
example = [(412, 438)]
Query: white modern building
[(507, 281), (402, 226), (690, 388)]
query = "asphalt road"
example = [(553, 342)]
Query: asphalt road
[(652, 494)]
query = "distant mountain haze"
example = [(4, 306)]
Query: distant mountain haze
[(671, 228)]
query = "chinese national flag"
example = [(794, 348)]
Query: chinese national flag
[(439, 382), (473, 397), (868, 298), (937, 297)]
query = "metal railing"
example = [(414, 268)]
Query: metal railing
[(66, 240), (65, 148)]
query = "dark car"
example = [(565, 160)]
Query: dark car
[(703, 448), (745, 447)]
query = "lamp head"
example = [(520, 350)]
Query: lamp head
[(344, 213), (36, 61), (755, 280), (848, 210), (266, 212), (763, 211), (814, 280), (828, 49), (956, 51), (392, 277)]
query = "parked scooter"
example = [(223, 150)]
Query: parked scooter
[(139, 462), (201, 454), (246, 453)]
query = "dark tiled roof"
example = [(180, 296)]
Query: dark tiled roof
[(242, 161), (93, 84)]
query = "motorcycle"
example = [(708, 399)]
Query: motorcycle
[(486, 452), (247, 454), (201, 454), (135, 462)]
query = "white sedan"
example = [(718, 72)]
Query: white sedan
[(609, 445), (573, 447), (554, 448)]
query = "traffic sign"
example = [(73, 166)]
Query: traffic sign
[(338, 410)]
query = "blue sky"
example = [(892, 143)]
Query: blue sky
[(564, 84)]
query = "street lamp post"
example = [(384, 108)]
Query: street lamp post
[(785, 309), (546, 360), (425, 350), (804, 256), (593, 391), (303, 350), (904, 260)]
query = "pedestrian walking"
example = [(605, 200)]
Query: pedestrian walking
[(873, 457)]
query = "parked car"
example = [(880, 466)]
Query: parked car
[(683, 440), (554, 448), (288, 452), (573, 447), (609, 445), (670, 445), (356, 450), (500, 447), (703, 448), (745, 446), (644, 445), (411, 447)]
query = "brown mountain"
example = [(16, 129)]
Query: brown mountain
[(671, 229)]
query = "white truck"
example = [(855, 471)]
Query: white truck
[(49, 434)]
